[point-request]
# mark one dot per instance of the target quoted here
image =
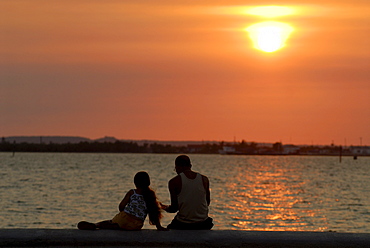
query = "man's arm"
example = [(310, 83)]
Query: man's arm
[(174, 186), (206, 187)]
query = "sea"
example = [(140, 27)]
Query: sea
[(269, 193)]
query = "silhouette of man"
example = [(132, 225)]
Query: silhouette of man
[(190, 198)]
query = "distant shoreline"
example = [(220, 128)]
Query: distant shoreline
[(271, 155), (35, 139), (113, 145)]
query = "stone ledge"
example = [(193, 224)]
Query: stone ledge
[(176, 238)]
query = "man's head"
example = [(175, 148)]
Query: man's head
[(182, 163)]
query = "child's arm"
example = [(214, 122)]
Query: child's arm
[(159, 226), (125, 200)]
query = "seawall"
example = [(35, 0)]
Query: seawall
[(177, 238)]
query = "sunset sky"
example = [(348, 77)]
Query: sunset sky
[(185, 70)]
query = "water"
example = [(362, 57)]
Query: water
[(295, 193)]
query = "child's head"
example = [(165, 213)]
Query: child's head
[(142, 180)]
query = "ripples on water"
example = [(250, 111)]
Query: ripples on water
[(303, 193)]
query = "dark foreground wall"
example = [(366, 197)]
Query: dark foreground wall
[(153, 238)]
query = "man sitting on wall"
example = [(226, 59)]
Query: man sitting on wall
[(190, 198)]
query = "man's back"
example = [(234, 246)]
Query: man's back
[(190, 197), (192, 201)]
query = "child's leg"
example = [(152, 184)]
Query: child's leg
[(107, 224)]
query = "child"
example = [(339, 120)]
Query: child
[(135, 206)]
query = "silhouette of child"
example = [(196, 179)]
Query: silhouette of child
[(135, 206)]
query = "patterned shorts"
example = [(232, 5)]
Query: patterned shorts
[(127, 222)]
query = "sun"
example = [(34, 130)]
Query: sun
[(269, 36)]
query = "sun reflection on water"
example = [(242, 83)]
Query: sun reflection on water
[(268, 199)]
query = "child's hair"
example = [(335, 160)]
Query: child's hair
[(142, 181)]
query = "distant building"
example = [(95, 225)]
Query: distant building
[(195, 148), (290, 149), (360, 150), (278, 147), (227, 150)]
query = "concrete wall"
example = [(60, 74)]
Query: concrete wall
[(174, 238)]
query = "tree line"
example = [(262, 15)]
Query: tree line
[(103, 147), (246, 148)]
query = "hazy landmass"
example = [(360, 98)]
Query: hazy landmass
[(77, 139), (113, 145)]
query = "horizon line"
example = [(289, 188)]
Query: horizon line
[(183, 141)]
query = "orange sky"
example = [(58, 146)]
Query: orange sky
[(184, 71)]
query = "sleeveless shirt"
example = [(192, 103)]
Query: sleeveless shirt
[(192, 200), (136, 206)]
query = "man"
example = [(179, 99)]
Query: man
[(190, 198)]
